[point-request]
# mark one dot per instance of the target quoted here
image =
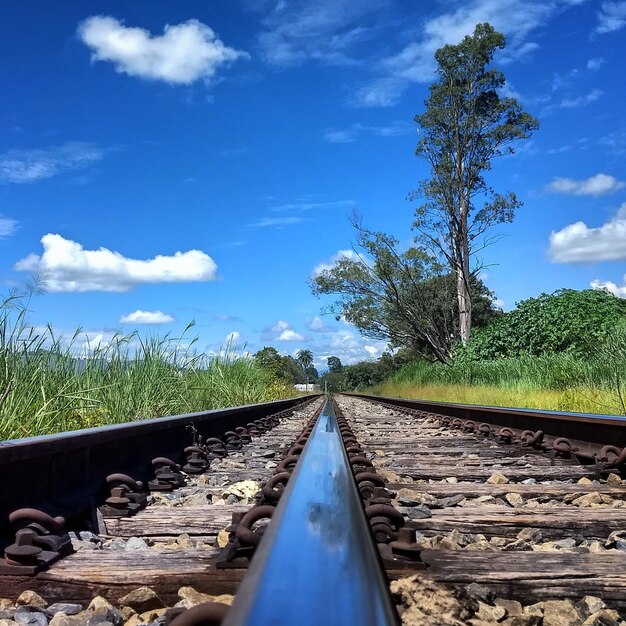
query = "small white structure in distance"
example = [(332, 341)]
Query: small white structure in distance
[(310, 387)]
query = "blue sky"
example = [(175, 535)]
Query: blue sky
[(165, 162)]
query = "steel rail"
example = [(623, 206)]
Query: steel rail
[(317, 563), (583, 428), (65, 472)]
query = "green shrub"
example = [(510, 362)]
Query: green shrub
[(567, 321)]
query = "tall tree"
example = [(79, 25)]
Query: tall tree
[(334, 363), (465, 126), (305, 358)]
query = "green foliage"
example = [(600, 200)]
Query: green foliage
[(281, 368), (465, 126), (333, 382), (611, 357), (366, 373), (334, 364), (567, 321), (557, 371), (305, 358), (312, 374)]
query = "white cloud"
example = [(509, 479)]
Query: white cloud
[(280, 325), (27, 166), (341, 254), (595, 64), (316, 325), (598, 185), (183, 54), (290, 335), (277, 222), (348, 135), (8, 226), (146, 317), (282, 331), (66, 266), (95, 341), (612, 17), (581, 101), (607, 285), (578, 243), (232, 338)]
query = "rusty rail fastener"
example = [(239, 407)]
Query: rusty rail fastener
[(406, 545), (244, 533), (37, 544), (167, 475)]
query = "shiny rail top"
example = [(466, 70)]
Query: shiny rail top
[(317, 563)]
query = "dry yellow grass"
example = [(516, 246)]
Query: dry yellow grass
[(576, 399)]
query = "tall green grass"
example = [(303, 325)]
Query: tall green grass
[(558, 382), (556, 371), (51, 384)]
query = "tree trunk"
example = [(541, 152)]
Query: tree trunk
[(464, 297), (465, 307)]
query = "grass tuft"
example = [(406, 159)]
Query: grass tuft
[(52, 384)]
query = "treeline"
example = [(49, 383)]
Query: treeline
[(364, 374)]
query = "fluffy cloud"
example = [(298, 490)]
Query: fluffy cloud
[(577, 242), (282, 331), (290, 335), (316, 325), (612, 17), (28, 166), (607, 285), (66, 266), (598, 185), (146, 317), (94, 341), (232, 338), (183, 54), (8, 226)]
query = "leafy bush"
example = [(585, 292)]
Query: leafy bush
[(568, 321)]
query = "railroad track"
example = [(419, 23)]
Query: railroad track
[(474, 515)]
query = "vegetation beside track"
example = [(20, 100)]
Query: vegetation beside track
[(565, 351), (53, 384)]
